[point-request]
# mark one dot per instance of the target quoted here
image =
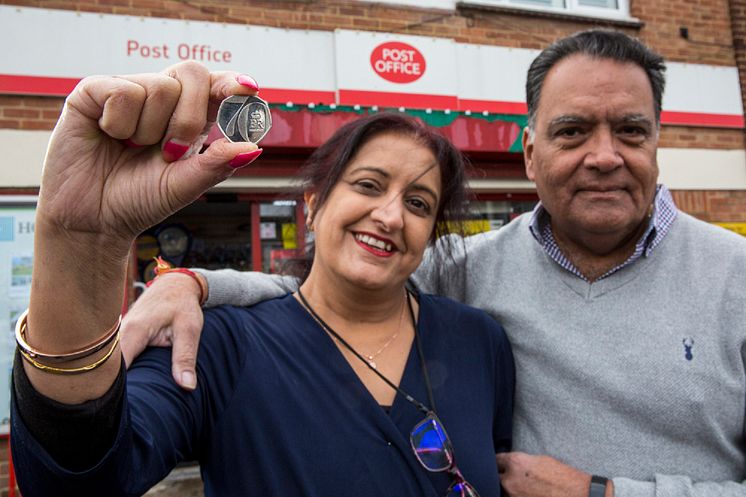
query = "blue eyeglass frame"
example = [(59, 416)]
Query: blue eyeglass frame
[(434, 450)]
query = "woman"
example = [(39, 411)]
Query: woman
[(343, 388)]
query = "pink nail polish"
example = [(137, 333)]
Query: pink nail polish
[(247, 81), (174, 149), (245, 159), (130, 144)]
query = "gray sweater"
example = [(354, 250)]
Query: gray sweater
[(639, 376)]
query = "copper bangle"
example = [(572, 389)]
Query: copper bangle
[(65, 371), (33, 354)]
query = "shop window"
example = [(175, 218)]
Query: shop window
[(614, 9), (278, 233), (490, 215), (212, 235)]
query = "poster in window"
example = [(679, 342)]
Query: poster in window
[(16, 263), (267, 231)]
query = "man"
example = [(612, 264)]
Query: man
[(626, 316)]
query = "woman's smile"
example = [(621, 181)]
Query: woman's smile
[(375, 245)]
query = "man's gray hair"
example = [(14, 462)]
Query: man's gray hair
[(601, 44)]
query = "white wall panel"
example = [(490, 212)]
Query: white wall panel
[(702, 169)]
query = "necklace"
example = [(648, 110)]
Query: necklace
[(419, 405), (370, 358)]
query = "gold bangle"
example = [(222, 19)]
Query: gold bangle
[(65, 371), (84, 352)]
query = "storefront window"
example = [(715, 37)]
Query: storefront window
[(278, 233), (213, 233), (490, 215)]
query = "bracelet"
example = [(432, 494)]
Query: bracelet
[(598, 486), (163, 267), (65, 371), (33, 354)]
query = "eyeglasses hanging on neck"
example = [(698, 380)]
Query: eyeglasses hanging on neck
[(431, 445)]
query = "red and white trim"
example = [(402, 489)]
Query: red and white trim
[(343, 67)]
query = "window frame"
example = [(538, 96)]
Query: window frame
[(571, 8)]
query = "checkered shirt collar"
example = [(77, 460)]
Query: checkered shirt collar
[(663, 216)]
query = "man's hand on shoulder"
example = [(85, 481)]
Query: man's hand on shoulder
[(168, 314), (525, 475)]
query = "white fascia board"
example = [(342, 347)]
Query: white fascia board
[(680, 168), (22, 158), (702, 169), (702, 88)]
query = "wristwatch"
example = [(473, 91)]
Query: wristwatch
[(598, 486)]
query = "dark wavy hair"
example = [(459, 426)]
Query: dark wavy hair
[(327, 163), (599, 44)]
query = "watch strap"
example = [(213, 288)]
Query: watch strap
[(598, 486)]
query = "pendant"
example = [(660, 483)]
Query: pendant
[(372, 363)]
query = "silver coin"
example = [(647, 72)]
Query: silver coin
[(244, 118)]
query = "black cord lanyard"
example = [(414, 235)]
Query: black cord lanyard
[(419, 405)]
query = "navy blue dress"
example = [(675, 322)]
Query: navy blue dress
[(279, 412)]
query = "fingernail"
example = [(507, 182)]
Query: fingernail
[(245, 159), (175, 149), (248, 81), (131, 144), (187, 380)]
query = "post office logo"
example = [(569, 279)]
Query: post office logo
[(398, 62)]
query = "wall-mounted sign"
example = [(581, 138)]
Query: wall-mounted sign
[(343, 67), (398, 62), (391, 70)]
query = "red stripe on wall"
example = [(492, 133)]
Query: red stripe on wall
[(702, 119), (36, 85), (51, 86), (43, 85)]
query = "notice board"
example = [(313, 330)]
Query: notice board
[(16, 262)]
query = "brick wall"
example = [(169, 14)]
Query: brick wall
[(713, 206), (727, 206), (710, 39), (30, 113), (738, 26)]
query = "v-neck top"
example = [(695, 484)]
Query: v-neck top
[(279, 411)]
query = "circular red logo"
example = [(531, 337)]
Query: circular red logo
[(397, 62)]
